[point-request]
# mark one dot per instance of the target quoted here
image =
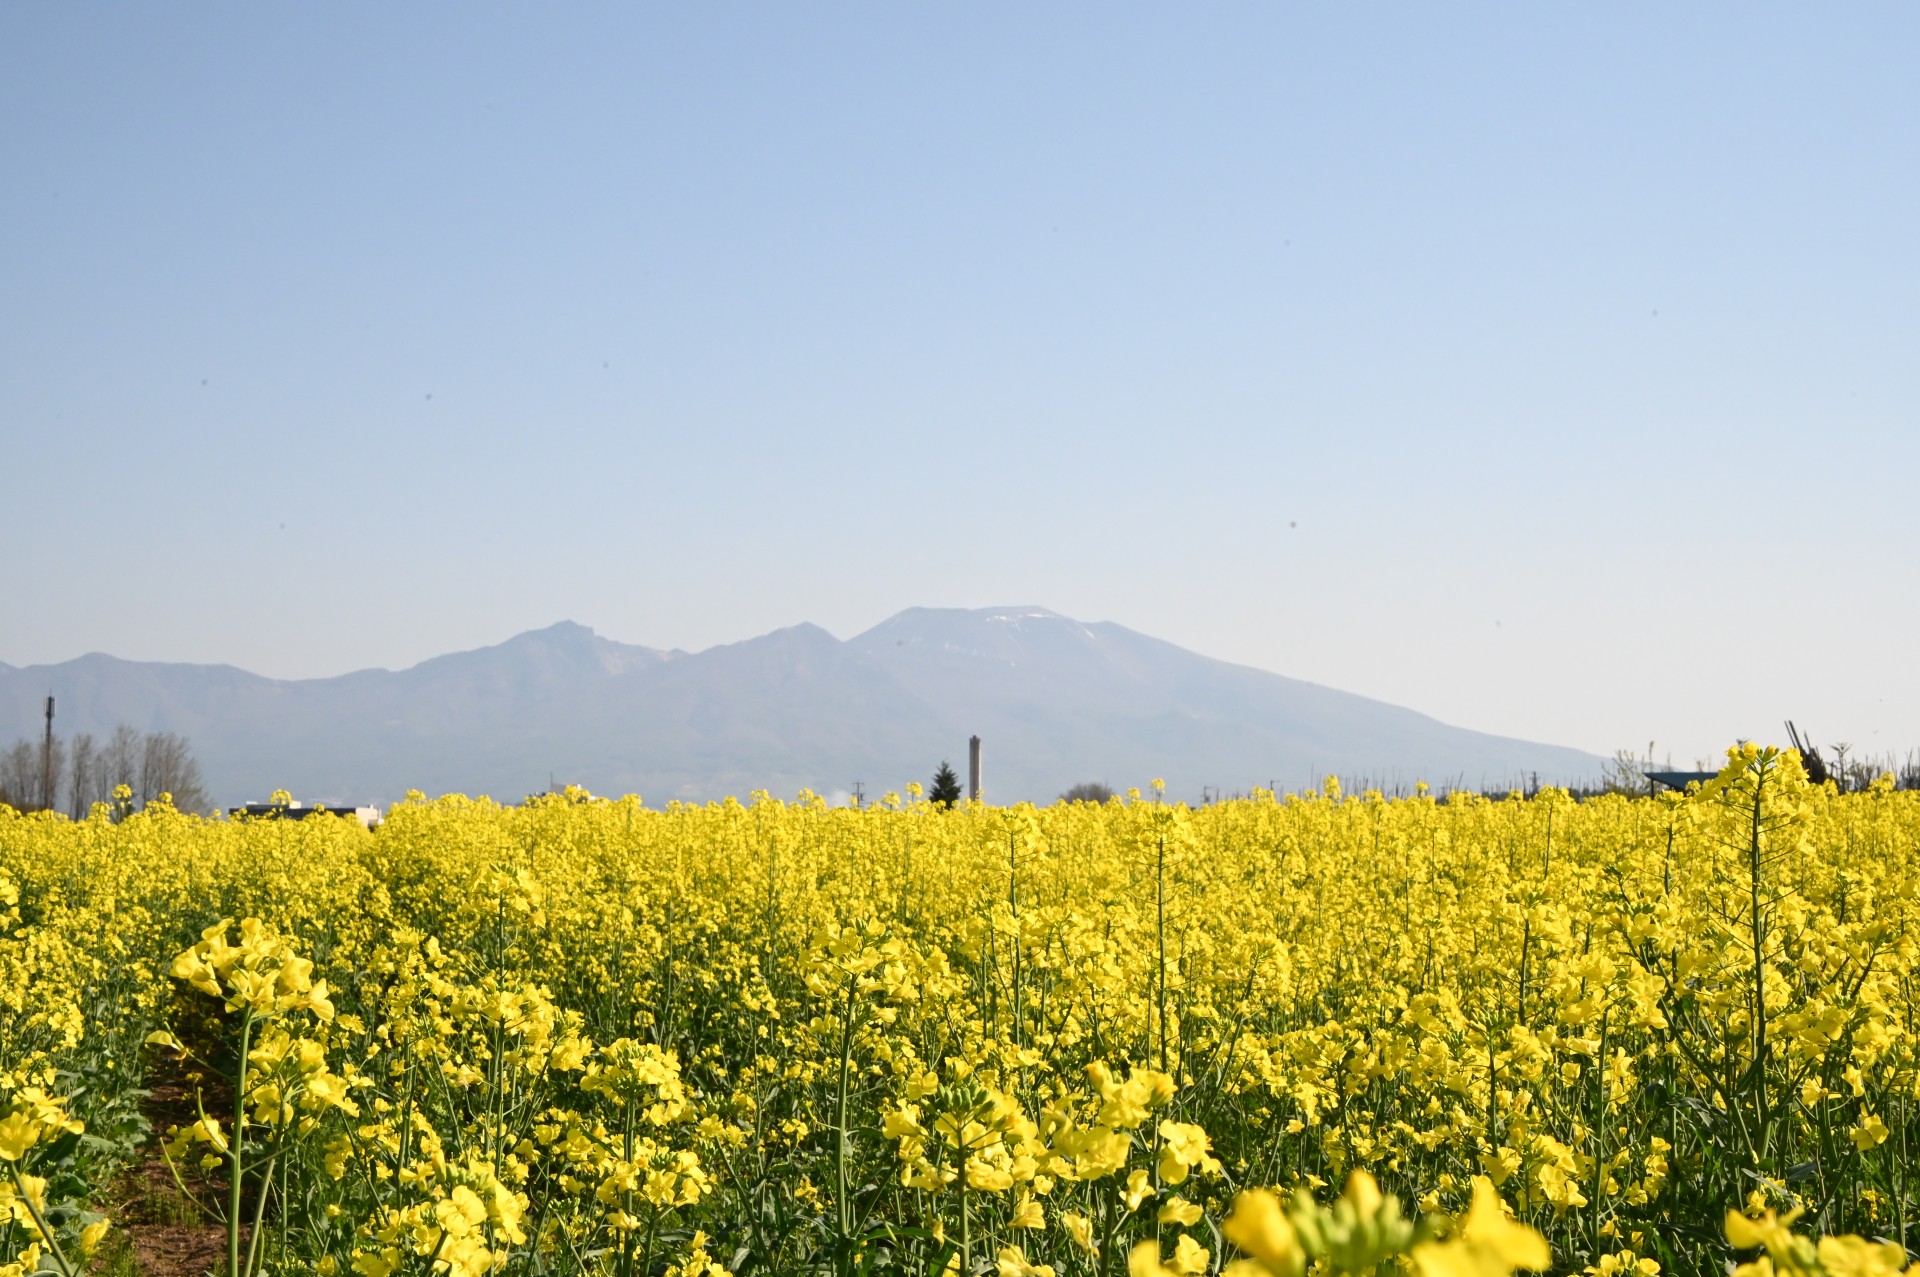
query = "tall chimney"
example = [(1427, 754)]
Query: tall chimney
[(46, 762), (973, 768)]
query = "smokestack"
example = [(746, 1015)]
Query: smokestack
[(973, 768), (46, 762)]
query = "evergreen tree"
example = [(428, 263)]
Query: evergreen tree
[(946, 787)]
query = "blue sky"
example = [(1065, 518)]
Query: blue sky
[(1548, 369)]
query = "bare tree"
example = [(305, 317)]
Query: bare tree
[(82, 784), (167, 766), (1088, 791), (20, 775), (53, 762), (120, 760), (1625, 773)]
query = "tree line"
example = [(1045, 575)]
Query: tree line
[(72, 775)]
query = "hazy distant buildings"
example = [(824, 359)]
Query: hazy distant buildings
[(368, 816)]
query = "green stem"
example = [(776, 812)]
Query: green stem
[(1013, 908), (1900, 1169), (626, 1204), (235, 1141), (406, 1103), (960, 1182), (1599, 1133), (841, 1206), (40, 1221), (966, 1222), (1759, 971), (1160, 932), (259, 1215)]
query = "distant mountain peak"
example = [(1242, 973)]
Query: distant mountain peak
[(1003, 634), (571, 632), (563, 650), (562, 634), (806, 633), (1017, 615), (1001, 613)]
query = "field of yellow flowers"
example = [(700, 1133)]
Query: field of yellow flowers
[(1267, 1037)]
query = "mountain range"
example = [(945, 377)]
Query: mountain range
[(1055, 701)]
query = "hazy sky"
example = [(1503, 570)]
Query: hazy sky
[(1554, 370)]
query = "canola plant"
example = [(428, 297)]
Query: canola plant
[(1318, 1033)]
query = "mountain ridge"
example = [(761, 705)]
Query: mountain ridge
[(1057, 701)]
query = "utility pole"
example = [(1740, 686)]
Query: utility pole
[(46, 762), (859, 796)]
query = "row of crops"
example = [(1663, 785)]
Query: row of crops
[(1318, 1032)]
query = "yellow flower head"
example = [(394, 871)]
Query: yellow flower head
[(1262, 1231), (1487, 1244)]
